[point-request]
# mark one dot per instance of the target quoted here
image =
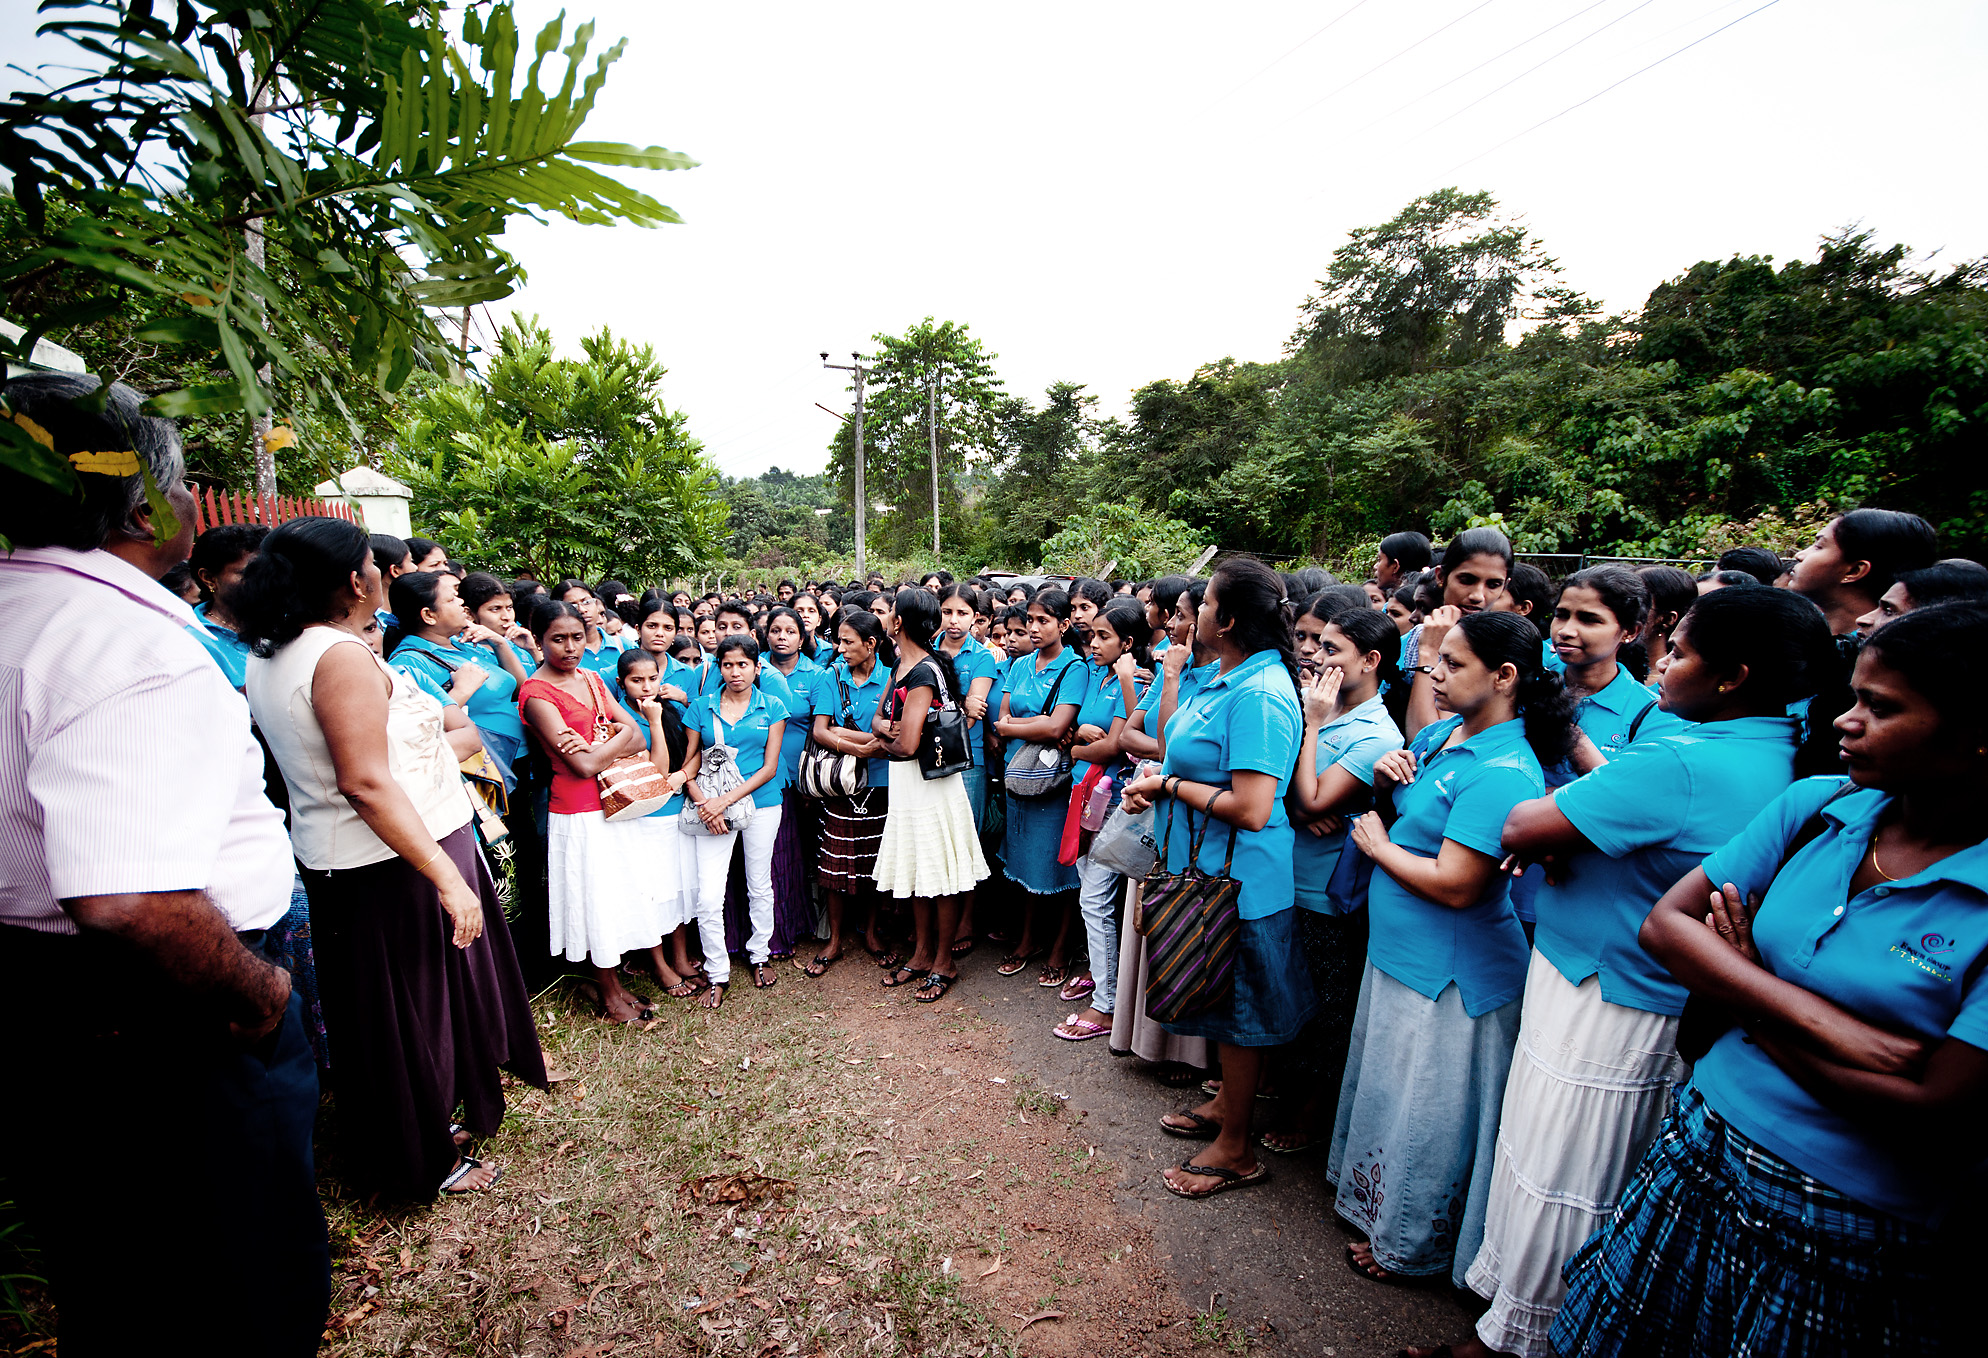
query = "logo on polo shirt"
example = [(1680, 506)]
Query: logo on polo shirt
[(1922, 955)]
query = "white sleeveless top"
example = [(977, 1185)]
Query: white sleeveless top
[(325, 831)]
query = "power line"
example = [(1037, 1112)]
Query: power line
[(1597, 4), (1599, 93), (1391, 60), (1530, 69), (1294, 51)]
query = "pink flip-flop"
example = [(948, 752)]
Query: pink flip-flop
[(1077, 989), (1074, 1029)]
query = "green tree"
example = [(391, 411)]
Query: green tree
[(1125, 539), (562, 466), (1036, 480), (896, 431), (289, 187)]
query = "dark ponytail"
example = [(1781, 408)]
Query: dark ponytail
[(1127, 619), (407, 595), (865, 625), (1251, 595), (917, 612), (1543, 703), (291, 582), (1783, 641), (1371, 631)]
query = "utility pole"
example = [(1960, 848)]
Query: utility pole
[(856, 367), (260, 425), (932, 414)]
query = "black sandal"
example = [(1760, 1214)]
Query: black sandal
[(909, 974), (819, 967), (935, 987), (717, 988), (763, 976)]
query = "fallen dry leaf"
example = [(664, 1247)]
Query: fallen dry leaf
[(991, 1269), (1039, 1315), (827, 1280)]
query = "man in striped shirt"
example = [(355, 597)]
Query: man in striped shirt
[(159, 1137)]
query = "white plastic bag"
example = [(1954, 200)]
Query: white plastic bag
[(1126, 843)]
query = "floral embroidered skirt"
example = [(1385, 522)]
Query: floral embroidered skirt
[(1414, 1142)]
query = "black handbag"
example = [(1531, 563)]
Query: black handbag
[(945, 747)]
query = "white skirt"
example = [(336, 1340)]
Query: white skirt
[(929, 846), (669, 865), (605, 895), (1591, 1082)]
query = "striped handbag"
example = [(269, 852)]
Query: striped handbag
[(1192, 922)]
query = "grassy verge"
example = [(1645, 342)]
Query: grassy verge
[(718, 1183)]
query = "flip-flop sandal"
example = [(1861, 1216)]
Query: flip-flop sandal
[(1074, 1029), (763, 976), (1077, 989), (1300, 1148), (934, 989), (1014, 962), (962, 949), (1052, 976), (1389, 1279), (1226, 1178), (460, 1135), (818, 967), (718, 988), (890, 961), (461, 1172), (908, 975), (689, 987), (1204, 1128)]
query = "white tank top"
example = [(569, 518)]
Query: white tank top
[(325, 831)]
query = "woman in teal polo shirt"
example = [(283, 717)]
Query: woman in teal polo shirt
[(1597, 1056), (1039, 705), (1446, 958), (1803, 1195), (978, 668), (1347, 727), (852, 827), (1230, 752), (461, 661), (785, 637), (740, 714)]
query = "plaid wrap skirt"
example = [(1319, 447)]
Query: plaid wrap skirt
[(1720, 1247)]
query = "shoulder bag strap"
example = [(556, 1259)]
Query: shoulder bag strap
[(1637, 724)]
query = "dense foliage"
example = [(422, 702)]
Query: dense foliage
[(259, 205), (562, 466)]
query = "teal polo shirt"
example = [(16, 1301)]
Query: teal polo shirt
[(1191, 680), (974, 662), (494, 705), (604, 660), (1354, 741), (1910, 955), (1028, 687), (803, 701), (854, 705), (1653, 812), (746, 735), (1248, 719), (230, 652), (1104, 703), (1464, 794)]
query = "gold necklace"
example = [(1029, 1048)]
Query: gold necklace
[(1874, 860)]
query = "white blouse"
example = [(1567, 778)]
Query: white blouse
[(325, 829)]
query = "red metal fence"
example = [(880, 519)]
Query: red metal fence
[(211, 508)]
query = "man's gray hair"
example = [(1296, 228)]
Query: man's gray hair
[(34, 514)]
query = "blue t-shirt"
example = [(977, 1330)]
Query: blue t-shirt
[(1463, 794), (861, 709), (710, 678), (747, 736), (494, 705), (803, 701), (1191, 679), (1354, 741), (1910, 955), (1653, 812), (1104, 703), (975, 662), (674, 804), (1246, 720), (604, 660)]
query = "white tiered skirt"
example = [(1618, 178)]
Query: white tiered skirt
[(929, 846)]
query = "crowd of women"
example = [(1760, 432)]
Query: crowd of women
[(1615, 940)]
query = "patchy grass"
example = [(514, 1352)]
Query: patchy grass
[(723, 1182)]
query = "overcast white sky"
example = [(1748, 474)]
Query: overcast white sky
[(1109, 193)]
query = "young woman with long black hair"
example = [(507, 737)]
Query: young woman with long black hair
[(1346, 656), (1471, 578), (852, 827), (1119, 654), (665, 854), (459, 661), (785, 637), (1230, 750), (1039, 705), (1597, 1054), (1809, 1193), (930, 853), (1446, 958), (978, 668)]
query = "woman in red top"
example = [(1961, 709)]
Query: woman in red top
[(602, 904)]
